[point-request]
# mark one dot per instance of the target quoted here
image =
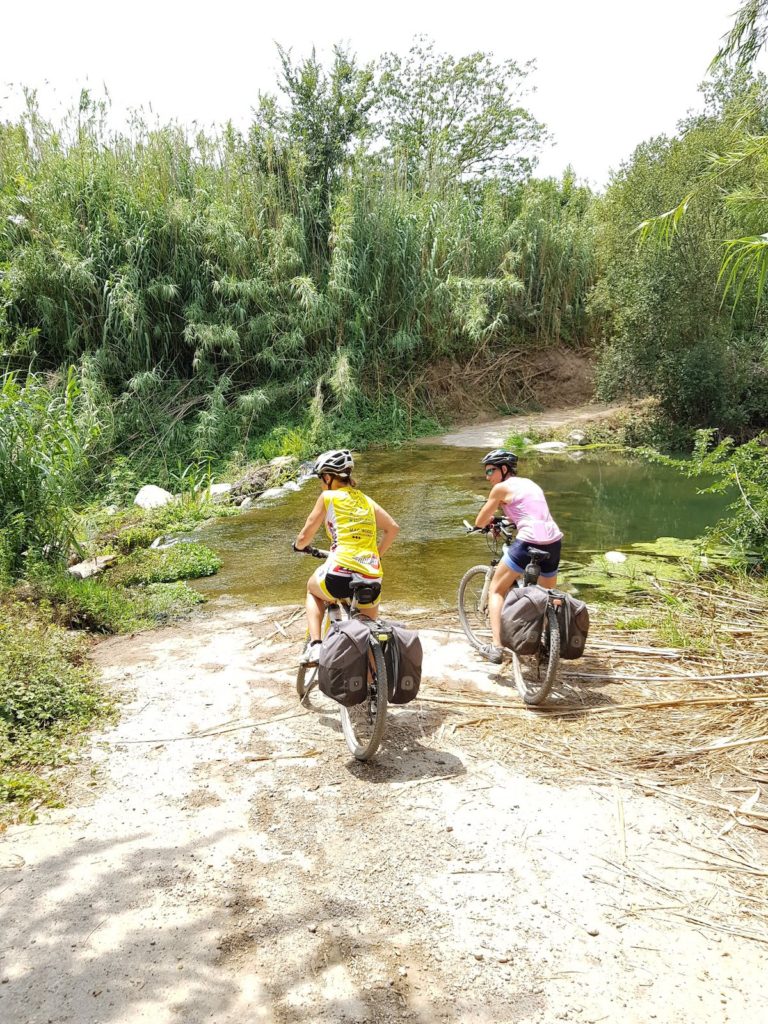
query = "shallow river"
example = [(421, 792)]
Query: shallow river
[(603, 501)]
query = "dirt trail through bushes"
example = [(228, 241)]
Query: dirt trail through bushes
[(223, 859)]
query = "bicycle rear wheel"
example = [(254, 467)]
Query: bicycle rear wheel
[(363, 724), (473, 605), (535, 674)]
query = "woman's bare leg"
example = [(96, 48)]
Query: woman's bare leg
[(316, 602)]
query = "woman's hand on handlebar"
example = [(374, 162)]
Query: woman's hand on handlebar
[(309, 550)]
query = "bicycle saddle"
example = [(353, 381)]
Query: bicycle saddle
[(364, 590), (537, 553)]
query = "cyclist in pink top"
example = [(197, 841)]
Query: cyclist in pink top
[(524, 503)]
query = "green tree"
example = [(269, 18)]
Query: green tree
[(668, 333), (327, 113), (443, 116)]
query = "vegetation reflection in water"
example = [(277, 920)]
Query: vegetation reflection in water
[(601, 501)]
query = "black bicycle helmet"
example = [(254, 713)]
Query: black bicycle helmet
[(337, 461), (500, 457)]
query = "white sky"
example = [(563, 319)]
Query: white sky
[(610, 73)]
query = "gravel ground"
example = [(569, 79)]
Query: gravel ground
[(222, 858)]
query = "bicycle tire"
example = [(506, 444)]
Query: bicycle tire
[(363, 724), (473, 609), (535, 674), (306, 679)]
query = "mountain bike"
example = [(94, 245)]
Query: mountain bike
[(534, 674), (363, 724)]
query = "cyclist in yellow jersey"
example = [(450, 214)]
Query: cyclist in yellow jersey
[(352, 521)]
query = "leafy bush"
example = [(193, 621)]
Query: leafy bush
[(743, 471), (47, 697), (48, 434), (44, 675)]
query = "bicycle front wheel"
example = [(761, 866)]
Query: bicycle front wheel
[(306, 676), (363, 724), (306, 679), (473, 605), (535, 674)]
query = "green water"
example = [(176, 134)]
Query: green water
[(601, 502)]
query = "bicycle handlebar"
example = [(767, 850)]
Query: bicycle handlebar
[(500, 523), (314, 552)]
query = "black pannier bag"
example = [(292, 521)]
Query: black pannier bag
[(404, 657), (573, 618), (343, 662), (522, 619)]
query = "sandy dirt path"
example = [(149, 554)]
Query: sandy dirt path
[(222, 858), (492, 433)]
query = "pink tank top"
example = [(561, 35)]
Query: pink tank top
[(529, 510)]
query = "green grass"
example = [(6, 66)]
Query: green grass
[(183, 561), (104, 605)]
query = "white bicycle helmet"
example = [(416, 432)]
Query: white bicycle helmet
[(338, 461)]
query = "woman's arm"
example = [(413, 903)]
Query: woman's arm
[(488, 511), (387, 525), (310, 528)]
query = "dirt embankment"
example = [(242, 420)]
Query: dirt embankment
[(477, 389), (223, 859)]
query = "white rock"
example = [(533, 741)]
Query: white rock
[(282, 460), (577, 437), (151, 496), (216, 489), (291, 486), (272, 492), (615, 556), (246, 503), (163, 543), (550, 446), (91, 566)]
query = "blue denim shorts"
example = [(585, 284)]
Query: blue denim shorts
[(517, 556)]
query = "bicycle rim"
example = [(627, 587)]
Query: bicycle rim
[(535, 673), (363, 724), (473, 605)]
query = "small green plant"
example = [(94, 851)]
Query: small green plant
[(20, 792), (183, 561)]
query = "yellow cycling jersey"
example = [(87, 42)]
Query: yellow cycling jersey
[(350, 522)]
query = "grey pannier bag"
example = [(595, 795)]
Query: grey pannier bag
[(404, 657), (522, 619), (573, 618), (343, 662)]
